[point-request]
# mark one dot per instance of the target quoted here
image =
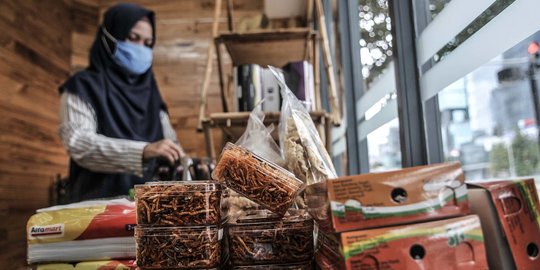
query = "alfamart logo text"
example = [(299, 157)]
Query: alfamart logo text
[(54, 230)]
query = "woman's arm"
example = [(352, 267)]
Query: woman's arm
[(91, 150), (168, 130)]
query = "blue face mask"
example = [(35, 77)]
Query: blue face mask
[(135, 58)]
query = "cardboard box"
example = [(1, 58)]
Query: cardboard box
[(456, 243), (509, 211), (390, 198)]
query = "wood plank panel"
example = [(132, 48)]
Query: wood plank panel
[(38, 50), (13, 239), (85, 16), (35, 52)]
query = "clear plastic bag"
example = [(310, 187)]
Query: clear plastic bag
[(258, 138), (305, 154)]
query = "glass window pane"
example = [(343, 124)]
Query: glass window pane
[(384, 147), (488, 117), (375, 38), (436, 6), (376, 55)]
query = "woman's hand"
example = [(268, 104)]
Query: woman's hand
[(164, 148)]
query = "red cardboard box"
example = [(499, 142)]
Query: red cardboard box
[(510, 216), (390, 198), (456, 243)]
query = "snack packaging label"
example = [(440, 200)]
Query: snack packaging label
[(48, 231)]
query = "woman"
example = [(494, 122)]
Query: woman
[(114, 123)]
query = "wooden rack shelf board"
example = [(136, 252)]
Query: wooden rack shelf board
[(241, 118), (276, 48), (233, 124)]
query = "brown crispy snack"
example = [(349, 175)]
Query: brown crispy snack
[(271, 242), (178, 204), (184, 248), (267, 184)]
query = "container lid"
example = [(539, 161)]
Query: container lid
[(177, 231), (257, 216), (266, 217), (175, 187)]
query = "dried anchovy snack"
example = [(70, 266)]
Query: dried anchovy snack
[(259, 180), (178, 203), (270, 241), (238, 204), (308, 161), (178, 247)]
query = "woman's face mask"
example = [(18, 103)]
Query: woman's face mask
[(135, 54), (136, 58)]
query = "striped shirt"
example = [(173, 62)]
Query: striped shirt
[(96, 152)]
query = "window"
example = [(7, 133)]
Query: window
[(488, 118), (436, 6), (377, 108), (479, 71), (384, 147)]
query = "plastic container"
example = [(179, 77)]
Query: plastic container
[(182, 203), (260, 237), (328, 256), (224, 203), (297, 266), (178, 247), (258, 179)]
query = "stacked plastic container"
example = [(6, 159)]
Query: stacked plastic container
[(178, 225), (276, 237)]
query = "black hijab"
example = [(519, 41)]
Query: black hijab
[(126, 106)]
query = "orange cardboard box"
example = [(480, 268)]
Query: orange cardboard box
[(390, 198), (456, 243), (509, 211)]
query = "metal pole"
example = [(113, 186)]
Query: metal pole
[(410, 106), (534, 92)]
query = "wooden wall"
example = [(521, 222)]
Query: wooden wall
[(35, 55), (41, 43), (85, 15)]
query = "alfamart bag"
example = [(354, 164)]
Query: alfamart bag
[(87, 231)]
